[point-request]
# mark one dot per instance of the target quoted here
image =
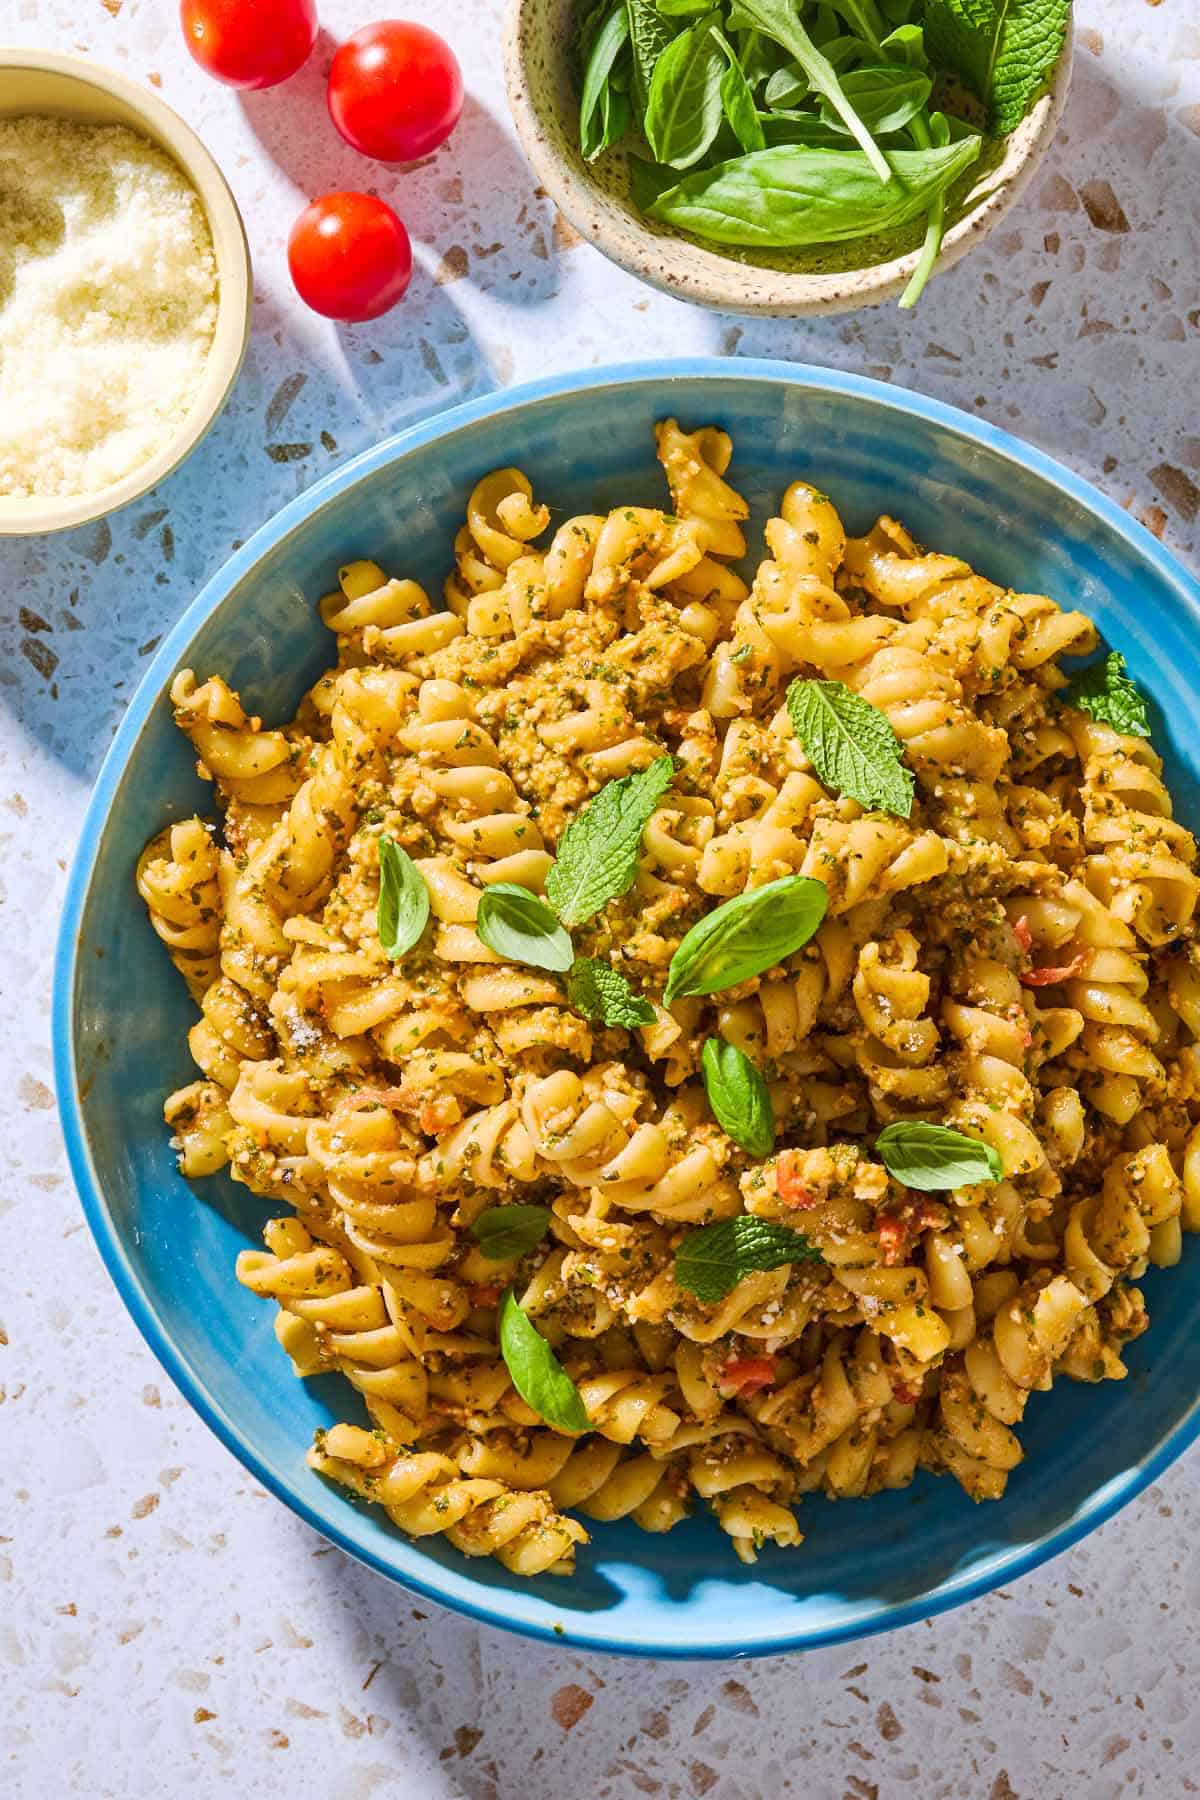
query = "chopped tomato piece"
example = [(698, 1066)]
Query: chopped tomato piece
[(1066, 972), (484, 1295), (788, 1185), (907, 1396), (1023, 934), (746, 1375), (893, 1238)]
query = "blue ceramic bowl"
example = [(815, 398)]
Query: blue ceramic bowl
[(121, 1012)]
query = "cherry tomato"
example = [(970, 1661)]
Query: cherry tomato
[(249, 43), (395, 90), (350, 256)]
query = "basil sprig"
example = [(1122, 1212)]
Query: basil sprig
[(746, 935), (517, 925), (506, 1232), (710, 1262), (1105, 693), (403, 899), (851, 745), (603, 994), (605, 113), (933, 1158), (738, 1096), (537, 1374), (597, 854)]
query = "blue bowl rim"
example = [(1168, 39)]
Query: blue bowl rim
[(406, 1565)]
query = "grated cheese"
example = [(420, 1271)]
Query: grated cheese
[(108, 303)]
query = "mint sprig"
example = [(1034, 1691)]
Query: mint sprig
[(851, 745), (1105, 693), (603, 994), (597, 855), (710, 1262), (1003, 49)]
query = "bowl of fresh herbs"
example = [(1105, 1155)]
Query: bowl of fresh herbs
[(786, 156)]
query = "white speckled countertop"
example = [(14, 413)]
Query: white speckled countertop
[(165, 1627)]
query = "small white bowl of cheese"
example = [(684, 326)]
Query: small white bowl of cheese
[(125, 291)]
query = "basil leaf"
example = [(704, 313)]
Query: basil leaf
[(1003, 49), (787, 197), (851, 745), (600, 992), (677, 9), (598, 853), (649, 35), (746, 935), (906, 45), (537, 1374), (736, 99), (780, 19), (683, 111), (403, 899), (786, 87), (598, 116), (506, 1232), (787, 127), (934, 1157), (1105, 693), (738, 1096), (517, 925), (885, 97), (710, 1262)]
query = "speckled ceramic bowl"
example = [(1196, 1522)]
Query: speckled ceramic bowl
[(828, 278), (66, 87)]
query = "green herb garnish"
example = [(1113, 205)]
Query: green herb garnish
[(738, 1096), (520, 927), (933, 1158), (1105, 693), (537, 1374), (506, 1232), (746, 935), (710, 1262), (603, 994), (851, 745), (598, 854), (403, 899)]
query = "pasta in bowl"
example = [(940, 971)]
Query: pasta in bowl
[(711, 1041)]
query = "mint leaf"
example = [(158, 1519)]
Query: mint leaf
[(746, 935), (517, 925), (505, 1232), (933, 1158), (602, 993), (537, 1374), (851, 745), (738, 1096), (403, 899), (1105, 693), (710, 1262), (598, 853), (1003, 49)]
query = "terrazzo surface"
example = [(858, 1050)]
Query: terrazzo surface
[(165, 1627)]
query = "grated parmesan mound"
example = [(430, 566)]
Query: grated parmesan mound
[(108, 304)]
